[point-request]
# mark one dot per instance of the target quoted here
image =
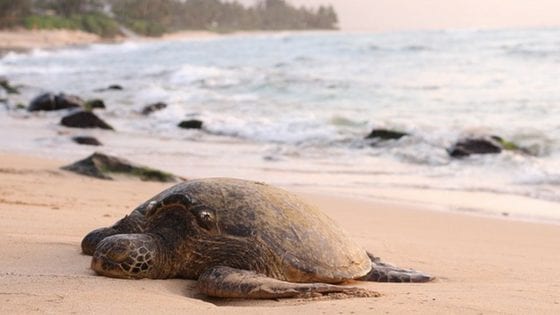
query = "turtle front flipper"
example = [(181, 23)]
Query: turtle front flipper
[(226, 282), (383, 272)]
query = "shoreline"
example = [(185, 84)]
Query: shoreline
[(39, 137), (482, 265), (23, 41)]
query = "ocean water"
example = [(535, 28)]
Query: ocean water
[(302, 103)]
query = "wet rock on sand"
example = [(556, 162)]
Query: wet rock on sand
[(484, 145), (86, 140), (83, 119), (102, 166), (191, 124), (385, 134), (113, 87), (153, 108), (49, 101), (469, 146)]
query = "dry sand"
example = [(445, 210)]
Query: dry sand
[(22, 40), (483, 265)]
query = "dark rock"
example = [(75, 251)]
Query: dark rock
[(113, 87), (153, 108), (385, 134), (5, 84), (84, 119), (99, 165), (470, 146), (42, 102), (68, 101), (95, 103), (86, 140), (49, 101), (191, 124), (485, 145)]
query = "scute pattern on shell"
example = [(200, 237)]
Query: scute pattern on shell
[(292, 240)]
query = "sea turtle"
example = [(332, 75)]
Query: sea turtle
[(240, 239)]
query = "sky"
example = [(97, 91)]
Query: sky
[(389, 15)]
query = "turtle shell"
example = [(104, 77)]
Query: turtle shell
[(303, 244)]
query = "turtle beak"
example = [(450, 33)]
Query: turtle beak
[(126, 256)]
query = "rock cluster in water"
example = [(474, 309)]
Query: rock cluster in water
[(81, 115), (462, 148), (98, 165)]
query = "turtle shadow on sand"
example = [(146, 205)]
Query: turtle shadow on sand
[(238, 239)]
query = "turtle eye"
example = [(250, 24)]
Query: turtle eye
[(205, 218)]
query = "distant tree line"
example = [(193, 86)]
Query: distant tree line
[(155, 17)]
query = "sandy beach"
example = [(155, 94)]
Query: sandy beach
[(484, 265), (24, 40), (491, 251)]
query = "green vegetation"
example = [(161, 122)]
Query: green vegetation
[(156, 17), (49, 22), (93, 23), (99, 24), (508, 145), (104, 165), (142, 172), (150, 174), (90, 105), (147, 28), (8, 87)]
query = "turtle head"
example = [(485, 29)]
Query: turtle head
[(128, 224), (174, 226), (130, 256)]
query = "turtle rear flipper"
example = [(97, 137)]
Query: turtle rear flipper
[(383, 272), (226, 282)]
